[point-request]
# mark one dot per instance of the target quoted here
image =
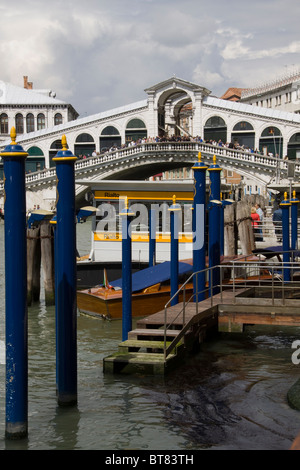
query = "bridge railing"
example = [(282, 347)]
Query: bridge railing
[(189, 148)]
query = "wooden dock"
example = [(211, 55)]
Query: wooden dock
[(230, 311)]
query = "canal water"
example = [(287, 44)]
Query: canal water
[(229, 396)]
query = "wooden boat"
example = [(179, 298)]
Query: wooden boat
[(150, 292)]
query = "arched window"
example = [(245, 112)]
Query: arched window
[(270, 141), (84, 138), (215, 129), (215, 121), (110, 130), (135, 130), (136, 124), (110, 138), (243, 126), (4, 123), (58, 119), (41, 124), (54, 148), (30, 123), (84, 146), (271, 132), (19, 124)]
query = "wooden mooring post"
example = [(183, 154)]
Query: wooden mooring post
[(245, 230), (33, 264), (40, 256), (47, 260)]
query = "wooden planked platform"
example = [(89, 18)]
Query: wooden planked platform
[(229, 312)]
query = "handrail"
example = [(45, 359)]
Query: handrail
[(277, 280)]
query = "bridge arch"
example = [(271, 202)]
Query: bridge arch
[(135, 129), (84, 144), (110, 137), (35, 160), (54, 148), (271, 141), (215, 128), (243, 133), (294, 146)]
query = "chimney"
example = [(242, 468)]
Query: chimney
[(27, 84)]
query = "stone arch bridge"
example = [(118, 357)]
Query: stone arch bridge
[(144, 160)]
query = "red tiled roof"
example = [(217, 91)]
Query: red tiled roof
[(232, 94)]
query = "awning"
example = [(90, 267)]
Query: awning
[(153, 275)]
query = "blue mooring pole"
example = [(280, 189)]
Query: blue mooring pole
[(285, 205), (15, 290), (53, 222), (126, 215), (198, 223), (152, 237), (214, 222), (174, 213), (294, 226), (65, 271)]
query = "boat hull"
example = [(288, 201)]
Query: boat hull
[(109, 306)]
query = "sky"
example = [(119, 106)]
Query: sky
[(102, 54)]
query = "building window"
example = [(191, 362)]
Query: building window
[(19, 124), (41, 121), (58, 119), (4, 124), (30, 123)]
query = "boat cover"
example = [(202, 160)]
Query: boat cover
[(148, 277)]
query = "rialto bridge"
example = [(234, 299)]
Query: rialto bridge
[(173, 107)]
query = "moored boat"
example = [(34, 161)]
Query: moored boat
[(150, 292)]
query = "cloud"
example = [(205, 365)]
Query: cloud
[(102, 54)]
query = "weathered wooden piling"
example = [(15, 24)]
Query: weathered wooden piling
[(33, 264), (245, 230), (230, 247), (47, 259)]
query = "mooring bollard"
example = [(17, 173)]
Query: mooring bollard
[(198, 222), (214, 225), (65, 272), (174, 222), (126, 215), (285, 205), (15, 290)]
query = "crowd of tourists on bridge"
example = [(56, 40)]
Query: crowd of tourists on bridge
[(177, 138)]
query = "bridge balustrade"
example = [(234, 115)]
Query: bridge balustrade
[(257, 163)]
